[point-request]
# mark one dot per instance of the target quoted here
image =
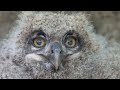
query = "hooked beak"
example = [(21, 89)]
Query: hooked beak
[(57, 60), (56, 50)]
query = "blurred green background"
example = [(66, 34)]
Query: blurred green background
[(107, 23)]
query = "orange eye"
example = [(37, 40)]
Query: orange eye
[(39, 42), (70, 42)]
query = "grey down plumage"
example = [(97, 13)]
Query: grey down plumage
[(98, 58)]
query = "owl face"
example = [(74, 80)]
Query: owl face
[(50, 39), (53, 50)]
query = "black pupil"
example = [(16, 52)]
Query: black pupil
[(39, 42), (70, 42)]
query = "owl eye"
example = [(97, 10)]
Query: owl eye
[(39, 42), (70, 42)]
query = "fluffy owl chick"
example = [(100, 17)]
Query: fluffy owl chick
[(57, 45)]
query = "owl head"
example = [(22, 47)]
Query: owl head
[(48, 40)]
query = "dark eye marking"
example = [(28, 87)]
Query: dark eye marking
[(38, 33), (71, 33)]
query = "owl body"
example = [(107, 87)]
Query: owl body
[(50, 45)]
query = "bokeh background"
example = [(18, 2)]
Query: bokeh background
[(107, 23)]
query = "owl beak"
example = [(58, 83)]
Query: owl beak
[(57, 55), (57, 61)]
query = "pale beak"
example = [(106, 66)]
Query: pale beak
[(56, 54), (57, 60)]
